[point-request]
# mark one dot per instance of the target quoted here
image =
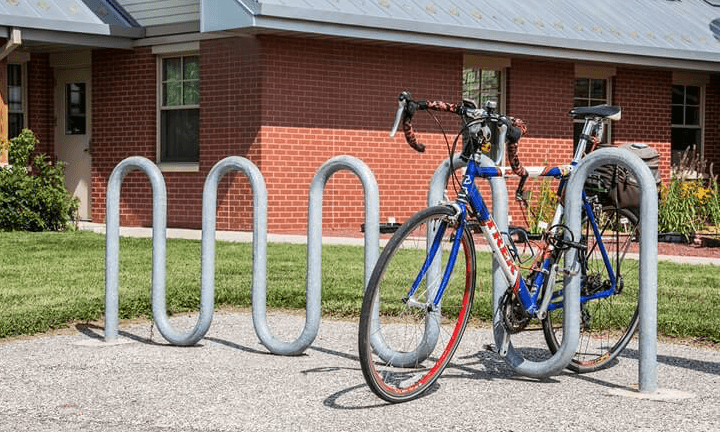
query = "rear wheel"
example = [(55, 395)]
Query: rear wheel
[(607, 323), (404, 346)]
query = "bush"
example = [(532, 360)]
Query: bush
[(33, 196), (691, 200)]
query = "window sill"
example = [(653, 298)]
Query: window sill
[(179, 167)]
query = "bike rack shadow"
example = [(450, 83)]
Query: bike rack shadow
[(207, 288)]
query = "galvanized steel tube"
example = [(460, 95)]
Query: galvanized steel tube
[(648, 247), (314, 255)]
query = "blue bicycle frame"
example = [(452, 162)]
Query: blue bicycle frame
[(470, 195)]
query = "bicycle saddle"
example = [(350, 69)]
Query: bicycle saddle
[(605, 111)]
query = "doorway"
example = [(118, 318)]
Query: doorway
[(72, 133)]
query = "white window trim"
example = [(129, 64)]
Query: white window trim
[(163, 52), (597, 72), (22, 59), (699, 80), (491, 63)]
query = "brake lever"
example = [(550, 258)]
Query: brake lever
[(399, 114)]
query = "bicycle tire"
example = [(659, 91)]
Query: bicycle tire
[(609, 323), (404, 349)]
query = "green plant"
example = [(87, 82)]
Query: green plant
[(543, 208), (33, 196), (691, 200)]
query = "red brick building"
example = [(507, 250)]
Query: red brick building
[(292, 84)]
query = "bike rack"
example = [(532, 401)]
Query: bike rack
[(314, 253), (112, 253), (259, 291), (571, 323), (648, 282)]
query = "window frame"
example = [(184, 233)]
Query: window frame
[(23, 92), (486, 63), (605, 74), (701, 84), (163, 53)]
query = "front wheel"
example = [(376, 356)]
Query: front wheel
[(607, 323), (405, 344)]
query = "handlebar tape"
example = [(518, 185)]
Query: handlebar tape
[(422, 105), (516, 129)]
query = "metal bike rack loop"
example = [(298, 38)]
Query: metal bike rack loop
[(112, 253), (648, 281), (259, 287), (314, 255), (571, 305)]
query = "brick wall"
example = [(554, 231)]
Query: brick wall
[(322, 99), (41, 111), (290, 104), (541, 93), (645, 96), (229, 126), (123, 125), (712, 123)]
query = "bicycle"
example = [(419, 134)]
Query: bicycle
[(419, 298)]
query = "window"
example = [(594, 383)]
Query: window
[(482, 85), (591, 92), (179, 109), (16, 99), (76, 109), (686, 121)]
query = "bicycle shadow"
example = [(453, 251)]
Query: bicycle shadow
[(482, 365)]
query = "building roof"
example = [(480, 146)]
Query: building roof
[(72, 22), (672, 33)]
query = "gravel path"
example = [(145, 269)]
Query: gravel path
[(228, 382)]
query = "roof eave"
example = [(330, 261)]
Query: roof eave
[(239, 16)]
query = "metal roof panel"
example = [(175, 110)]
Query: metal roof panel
[(655, 28)]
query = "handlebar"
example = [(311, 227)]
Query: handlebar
[(407, 107), (515, 128)]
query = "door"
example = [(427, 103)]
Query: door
[(72, 132)]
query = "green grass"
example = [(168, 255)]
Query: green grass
[(48, 280)]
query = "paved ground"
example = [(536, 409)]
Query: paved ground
[(229, 382)]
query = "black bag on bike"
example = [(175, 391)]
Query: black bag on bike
[(614, 185)]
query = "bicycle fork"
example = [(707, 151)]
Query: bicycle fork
[(460, 219)]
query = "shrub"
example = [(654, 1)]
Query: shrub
[(691, 200), (33, 196), (542, 208)]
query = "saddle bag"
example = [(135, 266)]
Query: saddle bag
[(614, 185)]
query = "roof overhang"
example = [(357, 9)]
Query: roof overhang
[(88, 23), (658, 33)]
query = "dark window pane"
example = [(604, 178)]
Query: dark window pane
[(692, 95), (681, 140), (172, 93), (171, 69), (678, 115), (191, 68), (692, 116), (582, 88), (577, 130), (14, 75), (15, 124), (678, 95), (597, 89), (490, 80), (191, 93), (180, 135), (75, 109), (580, 102)]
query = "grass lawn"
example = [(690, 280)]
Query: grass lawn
[(48, 280)]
